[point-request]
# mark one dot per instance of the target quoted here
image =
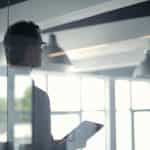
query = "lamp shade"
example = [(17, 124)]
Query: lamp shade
[(143, 70), (55, 53)]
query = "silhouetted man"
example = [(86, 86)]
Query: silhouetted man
[(22, 43)]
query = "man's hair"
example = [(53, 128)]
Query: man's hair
[(18, 38)]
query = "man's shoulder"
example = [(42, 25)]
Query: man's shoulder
[(40, 93), (37, 89)]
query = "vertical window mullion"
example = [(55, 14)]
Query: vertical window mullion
[(132, 119), (110, 115)]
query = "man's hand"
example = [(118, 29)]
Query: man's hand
[(60, 141), (60, 144)]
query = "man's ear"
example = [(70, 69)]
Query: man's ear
[(32, 57), (27, 56)]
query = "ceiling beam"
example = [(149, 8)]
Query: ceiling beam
[(6, 3), (130, 12)]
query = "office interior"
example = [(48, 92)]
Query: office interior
[(92, 76)]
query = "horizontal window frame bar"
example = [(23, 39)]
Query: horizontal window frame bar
[(74, 112), (140, 110)]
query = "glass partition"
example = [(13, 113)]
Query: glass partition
[(40, 105), (3, 82)]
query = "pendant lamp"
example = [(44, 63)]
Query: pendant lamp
[(143, 70), (55, 53)]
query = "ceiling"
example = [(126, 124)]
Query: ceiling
[(110, 47), (5, 3), (136, 11)]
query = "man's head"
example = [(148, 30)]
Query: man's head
[(22, 44)]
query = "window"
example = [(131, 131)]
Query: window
[(99, 138), (67, 122), (123, 114), (141, 130), (132, 114), (92, 100), (75, 99), (140, 95), (64, 93), (93, 93), (141, 112)]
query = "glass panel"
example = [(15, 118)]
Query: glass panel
[(98, 140), (122, 94), (64, 92), (123, 130), (140, 95), (3, 109), (22, 110), (92, 93), (95, 116), (3, 79), (2, 57), (142, 132), (123, 115), (67, 122)]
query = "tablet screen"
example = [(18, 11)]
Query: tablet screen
[(84, 131)]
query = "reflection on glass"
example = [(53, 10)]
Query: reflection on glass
[(2, 56), (122, 94), (142, 131), (3, 109), (140, 95), (93, 94), (98, 140), (22, 108), (63, 124), (64, 92)]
